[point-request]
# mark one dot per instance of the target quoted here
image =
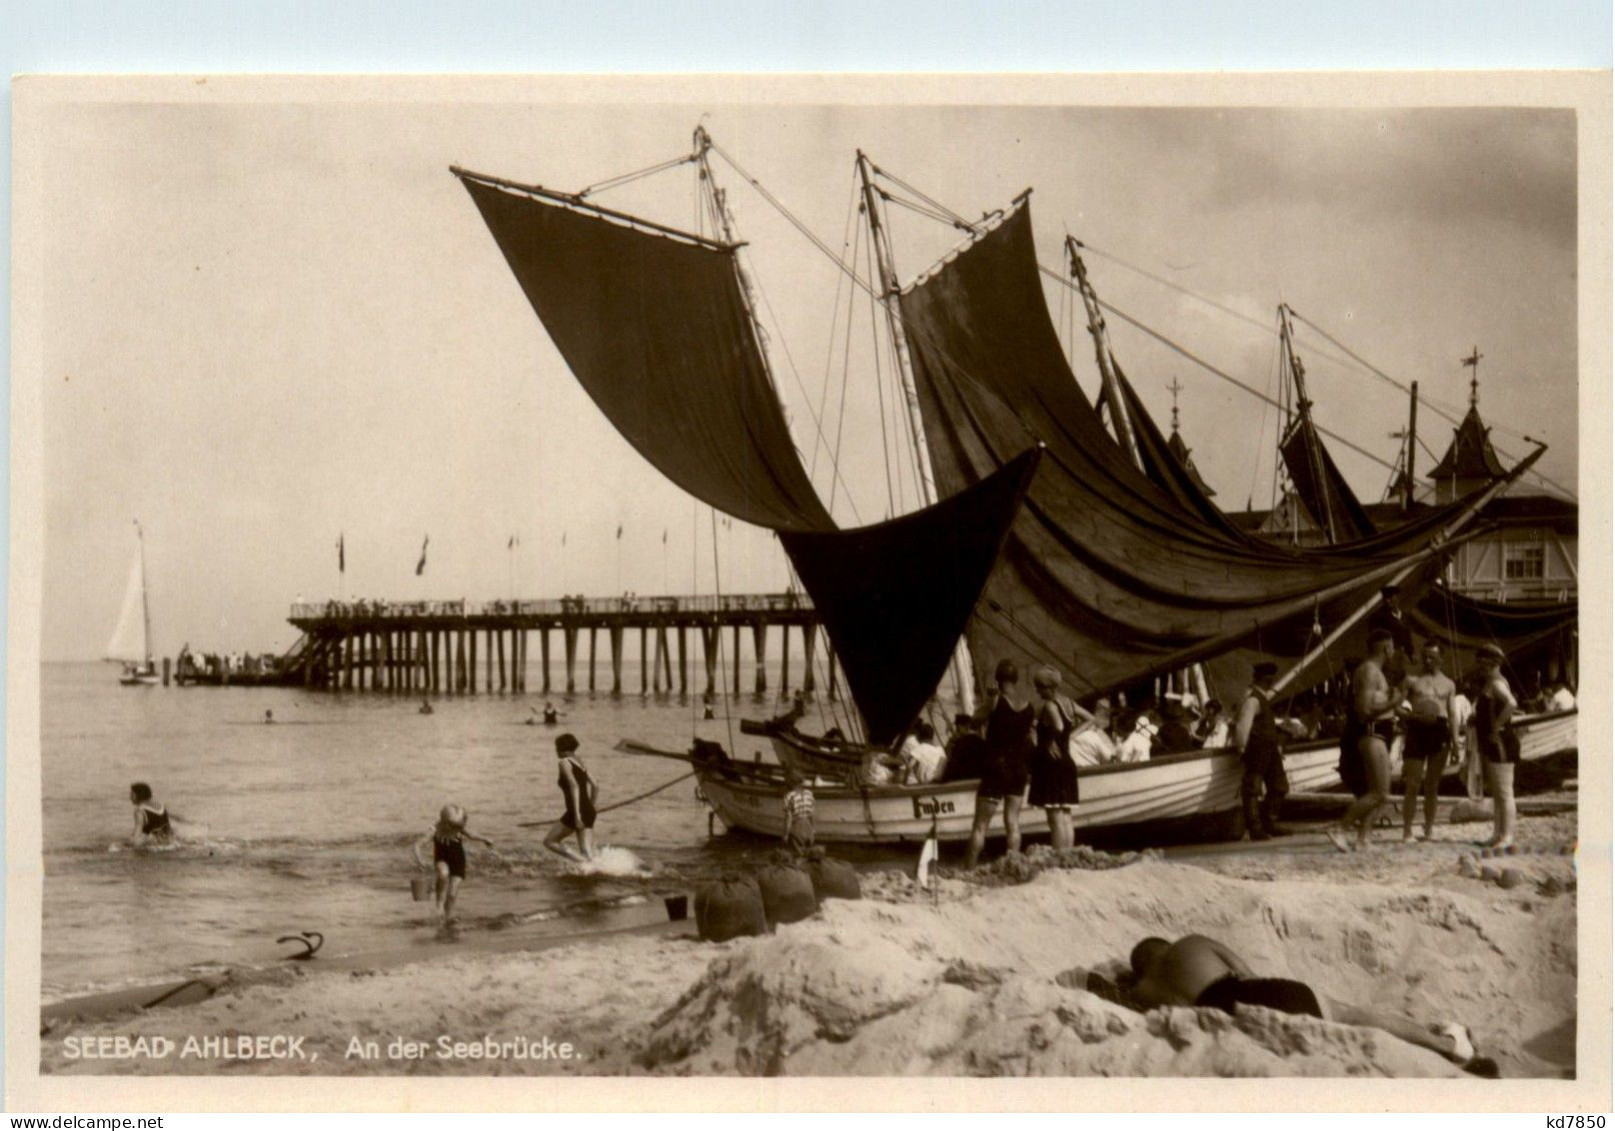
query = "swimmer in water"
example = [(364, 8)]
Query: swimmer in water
[(153, 822), (426, 707), (551, 715), (447, 839), (269, 717)]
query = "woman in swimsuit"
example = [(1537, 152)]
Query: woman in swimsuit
[(1008, 751), (1053, 773), (153, 822), (448, 839), (1499, 746), (578, 791)]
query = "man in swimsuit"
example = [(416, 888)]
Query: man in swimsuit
[(1432, 733), (1374, 705), (578, 790), (1201, 972)]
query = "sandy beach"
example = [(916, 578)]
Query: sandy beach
[(960, 981)]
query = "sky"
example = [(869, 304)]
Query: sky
[(271, 324)]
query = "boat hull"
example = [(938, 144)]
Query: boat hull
[(1197, 783)]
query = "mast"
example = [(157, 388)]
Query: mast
[(1119, 417), (1413, 435), (145, 607), (888, 299), (1303, 406), (961, 664), (726, 226)]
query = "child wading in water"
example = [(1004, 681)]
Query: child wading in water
[(152, 821), (448, 838)]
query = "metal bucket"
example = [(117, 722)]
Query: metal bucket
[(421, 888)]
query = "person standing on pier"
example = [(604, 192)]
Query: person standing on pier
[(578, 791)]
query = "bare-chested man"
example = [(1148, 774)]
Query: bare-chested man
[(1373, 703), (1432, 733), (1201, 972)]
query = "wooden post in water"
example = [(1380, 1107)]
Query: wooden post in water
[(809, 638), (656, 664), (785, 661), (165, 671), (544, 656), (709, 653), (644, 660), (347, 661), (759, 639), (489, 638), (684, 671), (571, 633), (737, 660), (592, 636), (457, 667), (616, 659)]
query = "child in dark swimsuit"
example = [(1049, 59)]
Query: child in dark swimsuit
[(578, 791), (447, 839), (153, 822)]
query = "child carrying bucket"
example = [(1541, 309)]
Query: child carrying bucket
[(448, 839)]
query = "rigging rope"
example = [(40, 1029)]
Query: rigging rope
[(625, 178), (1210, 368), (1434, 407)]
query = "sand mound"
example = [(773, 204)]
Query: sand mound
[(966, 986)]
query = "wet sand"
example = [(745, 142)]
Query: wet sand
[(957, 981)]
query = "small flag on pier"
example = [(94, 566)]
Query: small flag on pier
[(664, 537), (341, 554), (511, 545), (420, 566), (619, 532)]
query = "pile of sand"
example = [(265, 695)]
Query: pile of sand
[(966, 986), (961, 981)]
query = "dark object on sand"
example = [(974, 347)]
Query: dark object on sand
[(832, 879), (729, 908), (678, 907), (787, 892)]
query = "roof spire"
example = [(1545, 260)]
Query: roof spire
[(1176, 388), (1473, 362)]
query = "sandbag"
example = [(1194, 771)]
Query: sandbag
[(729, 908), (832, 879), (787, 892)]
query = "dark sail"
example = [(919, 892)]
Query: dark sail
[(1323, 490), (1104, 575), (1466, 623), (654, 327), (895, 597), (1165, 469)]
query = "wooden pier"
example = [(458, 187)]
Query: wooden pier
[(459, 647)]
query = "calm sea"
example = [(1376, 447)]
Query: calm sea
[(307, 824)]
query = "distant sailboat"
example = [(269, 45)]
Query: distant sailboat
[(131, 639)]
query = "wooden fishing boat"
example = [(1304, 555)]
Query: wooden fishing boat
[(747, 796)]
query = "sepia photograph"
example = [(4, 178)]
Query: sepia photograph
[(812, 578)]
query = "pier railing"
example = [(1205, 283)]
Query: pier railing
[(552, 607), (451, 645)]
